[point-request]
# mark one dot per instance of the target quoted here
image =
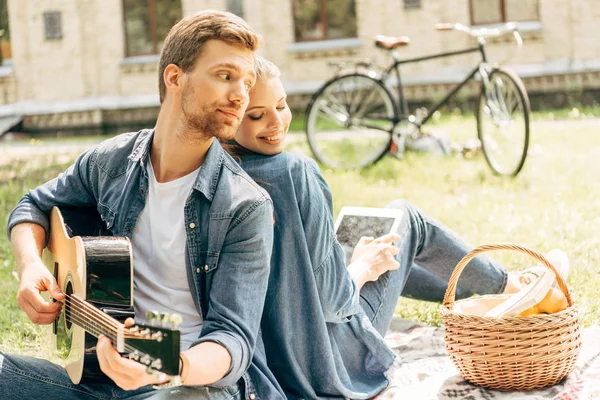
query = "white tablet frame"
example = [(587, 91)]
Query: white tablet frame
[(371, 212)]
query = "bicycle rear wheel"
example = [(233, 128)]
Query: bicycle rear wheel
[(349, 121), (503, 122)]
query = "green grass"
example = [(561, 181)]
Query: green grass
[(17, 333), (553, 203)]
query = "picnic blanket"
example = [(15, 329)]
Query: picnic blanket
[(426, 371)]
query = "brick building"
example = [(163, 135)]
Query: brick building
[(91, 64)]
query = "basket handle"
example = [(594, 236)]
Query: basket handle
[(451, 291)]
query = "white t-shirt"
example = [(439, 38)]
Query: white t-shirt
[(159, 242)]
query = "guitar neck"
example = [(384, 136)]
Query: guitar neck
[(94, 321)]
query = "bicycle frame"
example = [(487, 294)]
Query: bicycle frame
[(402, 102)]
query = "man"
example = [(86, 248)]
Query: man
[(201, 229)]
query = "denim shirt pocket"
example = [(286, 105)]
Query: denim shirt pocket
[(210, 260), (107, 215)]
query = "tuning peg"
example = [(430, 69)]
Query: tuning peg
[(156, 364), (145, 359), (158, 336), (145, 332), (135, 355), (176, 320), (153, 317), (163, 317)]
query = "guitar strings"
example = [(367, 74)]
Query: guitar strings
[(90, 315), (94, 311), (90, 325), (95, 332), (98, 319), (97, 315)]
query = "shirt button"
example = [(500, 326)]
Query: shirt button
[(206, 267), (198, 270), (192, 225), (128, 228), (142, 191), (252, 396)]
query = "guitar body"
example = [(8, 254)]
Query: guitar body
[(97, 269)]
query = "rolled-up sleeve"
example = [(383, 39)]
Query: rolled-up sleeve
[(338, 293), (70, 188), (239, 288)]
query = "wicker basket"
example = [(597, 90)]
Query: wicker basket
[(511, 353)]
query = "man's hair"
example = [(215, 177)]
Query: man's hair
[(183, 45)]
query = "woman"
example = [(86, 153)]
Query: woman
[(323, 321)]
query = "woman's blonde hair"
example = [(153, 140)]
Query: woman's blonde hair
[(265, 69)]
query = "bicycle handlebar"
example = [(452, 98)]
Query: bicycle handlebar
[(484, 32)]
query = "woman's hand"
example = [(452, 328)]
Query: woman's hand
[(126, 373), (373, 257)]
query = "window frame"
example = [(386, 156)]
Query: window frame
[(323, 17), (52, 25), (151, 11), (502, 14), (412, 4)]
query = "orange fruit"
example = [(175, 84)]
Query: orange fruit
[(553, 302)]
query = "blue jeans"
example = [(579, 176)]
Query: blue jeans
[(23, 377), (428, 254)]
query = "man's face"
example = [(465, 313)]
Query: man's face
[(215, 93)]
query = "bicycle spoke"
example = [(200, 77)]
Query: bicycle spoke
[(349, 122), (503, 124), (334, 116), (365, 103), (339, 107)]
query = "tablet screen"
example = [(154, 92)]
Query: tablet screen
[(352, 227)]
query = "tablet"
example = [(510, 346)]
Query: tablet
[(353, 223)]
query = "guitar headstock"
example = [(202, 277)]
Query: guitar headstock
[(157, 347)]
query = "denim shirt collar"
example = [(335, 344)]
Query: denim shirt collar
[(208, 177)]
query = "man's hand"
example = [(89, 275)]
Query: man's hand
[(36, 278), (126, 373), (373, 257)]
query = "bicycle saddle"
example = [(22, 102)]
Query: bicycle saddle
[(391, 42)]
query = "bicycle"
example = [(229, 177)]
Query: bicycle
[(353, 120)]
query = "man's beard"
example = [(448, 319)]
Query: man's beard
[(205, 123)]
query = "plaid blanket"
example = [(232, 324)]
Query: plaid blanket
[(426, 371)]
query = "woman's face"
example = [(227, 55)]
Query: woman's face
[(267, 119)]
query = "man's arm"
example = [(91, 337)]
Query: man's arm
[(74, 187), (239, 287), (230, 329), (28, 229), (27, 244)]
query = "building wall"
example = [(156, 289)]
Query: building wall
[(89, 61)]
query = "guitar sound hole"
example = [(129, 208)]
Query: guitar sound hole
[(68, 292)]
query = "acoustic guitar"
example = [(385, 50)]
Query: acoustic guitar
[(95, 271)]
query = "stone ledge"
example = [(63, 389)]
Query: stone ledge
[(137, 64)]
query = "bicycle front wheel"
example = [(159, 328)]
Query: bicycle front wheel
[(503, 122), (349, 121)]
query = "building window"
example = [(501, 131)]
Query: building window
[(52, 25), (324, 19), (147, 23), (5, 48), (497, 11), (236, 7), (412, 3)]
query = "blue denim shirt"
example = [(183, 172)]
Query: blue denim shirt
[(229, 226), (319, 342)]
